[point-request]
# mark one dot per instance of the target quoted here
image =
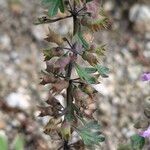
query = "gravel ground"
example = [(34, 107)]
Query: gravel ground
[(128, 56)]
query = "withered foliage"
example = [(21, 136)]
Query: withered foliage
[(75, 114)]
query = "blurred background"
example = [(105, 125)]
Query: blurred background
[(21, 60)]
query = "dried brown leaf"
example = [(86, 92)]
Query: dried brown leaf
[(50, 67), (62, 62), (53, 125), (88, 89), (46, 79), (90, 58), (59, 86), (79, 145), (79, 95), (45, 111), (54, 102), (54, 38), (48, 111)]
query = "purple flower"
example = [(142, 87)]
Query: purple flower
[(146, 133), (145, 76)]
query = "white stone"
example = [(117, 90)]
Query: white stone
[(140, 16), (9, 71), (139, 13), (19, 100), (108, 6), (5, 41)]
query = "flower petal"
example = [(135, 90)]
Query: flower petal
[(145, 76), (146, 133)]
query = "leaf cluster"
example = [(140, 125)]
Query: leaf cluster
[(90, 133), (60, 60)]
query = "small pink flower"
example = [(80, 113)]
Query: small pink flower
[(146, 133), (145, 76)]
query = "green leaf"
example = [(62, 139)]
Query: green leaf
[(18, 143), (103, 71), (90, 133), (3, 143), (81, 40), (54, 5), (47, 54), (53, 10), (61, 6), (83, 74), (90, 70), (137, 142)]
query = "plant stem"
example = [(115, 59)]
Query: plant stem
[(70, 66), (66, 147), (47, 20), (75, 25), (68, 74)]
